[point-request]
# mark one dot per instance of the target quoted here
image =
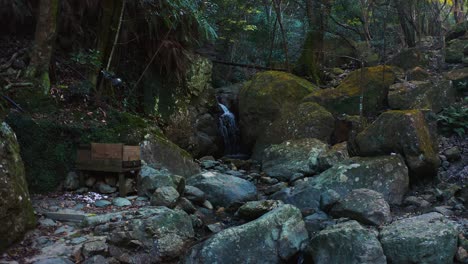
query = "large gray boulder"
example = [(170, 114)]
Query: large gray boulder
[(273, 238), (428, 238), (160, 152), (364, 205), (152, 179), (385, 174), (224, 190), (346, 243), (293, 156), (160, 230), (16, 212)]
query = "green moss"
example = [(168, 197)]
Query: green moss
[(345, 99)]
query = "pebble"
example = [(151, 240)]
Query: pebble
[(102, 203)]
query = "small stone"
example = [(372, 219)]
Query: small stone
[(194, 194), (443, 210), (268, 180), (120, 202), (275, 188), (102, 203), (416, 201), (71, 182), (78, 240), (461, 255), (328, 199), (98, 259), (105, 188), (296, 176), (110, 180), (254, 209), (64, 229), (94, 248), (165, 196), (215, 228), (47, 222), (453, 154), (207, 204), (82, 190), (90, 181), (186, 205)]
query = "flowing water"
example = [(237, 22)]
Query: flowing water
[(229, 131)]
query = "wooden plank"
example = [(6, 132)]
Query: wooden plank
[(131, 153), (106, 151), (83, 155)]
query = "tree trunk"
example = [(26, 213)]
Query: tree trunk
[(312, 52), (44, 41), (458, 12), (408, 30)]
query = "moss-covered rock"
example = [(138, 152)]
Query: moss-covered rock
[(428, 238), (385, 174), (308, 120), (454, 50), (293, 156), (410, 58), (355, 244), (405, 132), (16, 212), (345, 99), (262, 98), (459, 78), (433, 95), (457, 31)]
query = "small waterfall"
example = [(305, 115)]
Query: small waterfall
[(229, 131)]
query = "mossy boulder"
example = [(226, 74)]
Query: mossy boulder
[(454, 50), (405, 132), (308, 120), (433, 95), (457, 31), (345, 99), (428, 238), (16, 211), (160, 152), (283, 160), (387, 175), (262, 98), (346, 243), (459, 78), (410, 58)]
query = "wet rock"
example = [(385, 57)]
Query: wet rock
[(194, 194), (102, 203), (255, 209), (357, 245), (337, 153), (224, 190), (317, 222), (453, 153), (98, 259), (385, 174), (16, 211), (94, 248), (121, 202), (275, 188), (57, 260), (151, 179), (293, 156), (428, 238), (281, 233), (72, 181), (106, 189), (366, 206), (185, 205), (215, 228), (416, 201), (405, 132), (165, 196), (328, 199)]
